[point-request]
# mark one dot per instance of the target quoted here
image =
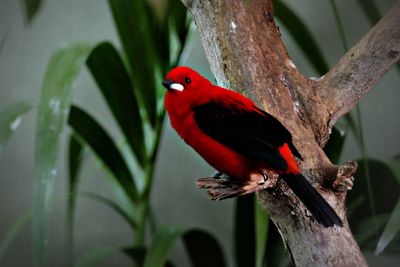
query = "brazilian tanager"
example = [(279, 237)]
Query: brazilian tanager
[(238, 139)]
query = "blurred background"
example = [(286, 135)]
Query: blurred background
[(25, 52)]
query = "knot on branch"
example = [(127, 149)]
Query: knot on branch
[(345, 177)]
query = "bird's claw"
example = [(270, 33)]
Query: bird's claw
[(270, 180)]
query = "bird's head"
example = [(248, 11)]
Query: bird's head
[(184, 80)]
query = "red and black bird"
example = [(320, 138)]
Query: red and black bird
[(238, 139)]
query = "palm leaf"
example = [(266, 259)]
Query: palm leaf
[(113, 80), (134, 30), (203, 249), (55, 98), (103, 146), (161, 245)]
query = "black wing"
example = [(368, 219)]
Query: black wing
[(255, 134)]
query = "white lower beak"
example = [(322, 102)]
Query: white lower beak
[(177, 86)]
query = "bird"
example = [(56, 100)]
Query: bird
[(241, 141)]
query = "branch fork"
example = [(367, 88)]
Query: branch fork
[(251, 58)]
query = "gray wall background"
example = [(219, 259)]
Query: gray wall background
[(175, 199)]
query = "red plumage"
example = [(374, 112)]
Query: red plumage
[(237, 138)]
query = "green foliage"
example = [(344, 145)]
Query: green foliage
[(55, 98), (133, 24), (391, 229), (75, 157), (128, 85), (261, 230), (113, 80), (160, 246), (245, 232), (137, 254), (12, 232), (276, 253), (333, 148), (105, 149), (96, 255), (302, 36), (370, 10), (203, 249), (114, 206), (385, 193), (31, 8), (257, 240)]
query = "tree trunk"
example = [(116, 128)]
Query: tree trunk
[(246, 53)]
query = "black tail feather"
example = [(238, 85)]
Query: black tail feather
[(314, 202)]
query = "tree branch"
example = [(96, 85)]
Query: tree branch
[(246, 53), (362, 66)]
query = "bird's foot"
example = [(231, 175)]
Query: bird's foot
[(270, 180), (223, 176), (222, 186)]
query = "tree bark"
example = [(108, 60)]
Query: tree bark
[(362, 66), (246, 53)]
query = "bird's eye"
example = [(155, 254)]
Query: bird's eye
[(187, 80)]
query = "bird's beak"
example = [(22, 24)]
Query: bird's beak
[(169, 84)]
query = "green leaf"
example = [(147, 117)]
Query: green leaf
[(113, 205), (339, 25), (370, 10), (392, 226), (96, 255), (160, 35), (179, 24), (113, 80), (177, 13), (302, 36), (13, 232), (75, 154), (367, 173), (104, 147), (391, 229), (394, 166), (334, 147), (203, 249), (262, 223), (276, 255), (368, 230), (245, 250), (137, 254), (161, 245), (31, 8), (10, 119), (133, 25), (385, 191), (61, 74)]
